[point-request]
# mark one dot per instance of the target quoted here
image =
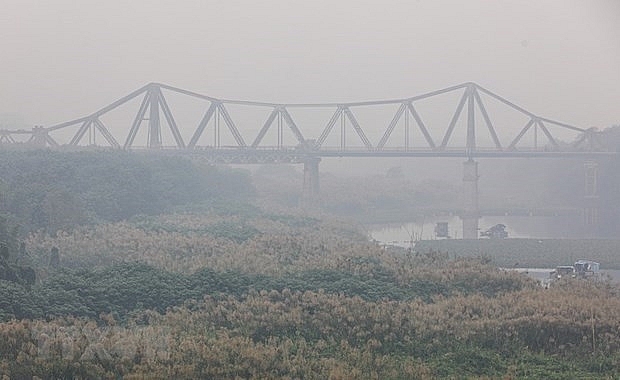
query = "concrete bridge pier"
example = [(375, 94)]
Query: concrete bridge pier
[(471, 210), (310, 191), (591, 198)]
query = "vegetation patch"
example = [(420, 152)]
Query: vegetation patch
[(54, 190), (221, 290)]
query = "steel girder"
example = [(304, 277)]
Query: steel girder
[(406, 116)]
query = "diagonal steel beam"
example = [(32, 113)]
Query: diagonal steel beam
[(328, 128), (526, 112), (7, 138), (291, 124), (439, 92), (455, 118), (121, 101), (514, 142), (80, 133), (547, 133), (265, 127), (421, 125), (564, 125), (358, 128), (67, 123), (391, 126), (201, 126), (50, 141), (170, 119), (106, 134), (505, 101), (103, 110), (185, 92), (487, 120), (231, 125), (136, 123)]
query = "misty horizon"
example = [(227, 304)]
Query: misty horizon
[(556, 58)]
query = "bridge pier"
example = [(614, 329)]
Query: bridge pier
[(310, 191), (591, 198), (471, 210)]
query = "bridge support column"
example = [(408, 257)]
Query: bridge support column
[(471, 211), (310, 191), (591, 198)]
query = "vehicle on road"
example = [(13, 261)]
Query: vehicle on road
[(581, 268), (498, 231)]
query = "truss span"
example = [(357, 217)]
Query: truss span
[(481, 124)]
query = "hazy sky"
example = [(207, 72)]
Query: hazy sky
[(63, 59)]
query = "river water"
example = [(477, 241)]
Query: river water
[(402, 234)]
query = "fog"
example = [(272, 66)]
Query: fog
[(64, 59), (135, 264)]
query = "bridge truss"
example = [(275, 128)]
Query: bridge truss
[(339, 134)]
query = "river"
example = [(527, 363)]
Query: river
[(402, 234)]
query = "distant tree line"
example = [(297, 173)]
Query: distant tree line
[(57, 190)]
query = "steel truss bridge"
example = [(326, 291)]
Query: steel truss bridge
[(339, 134), (277, 133)]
